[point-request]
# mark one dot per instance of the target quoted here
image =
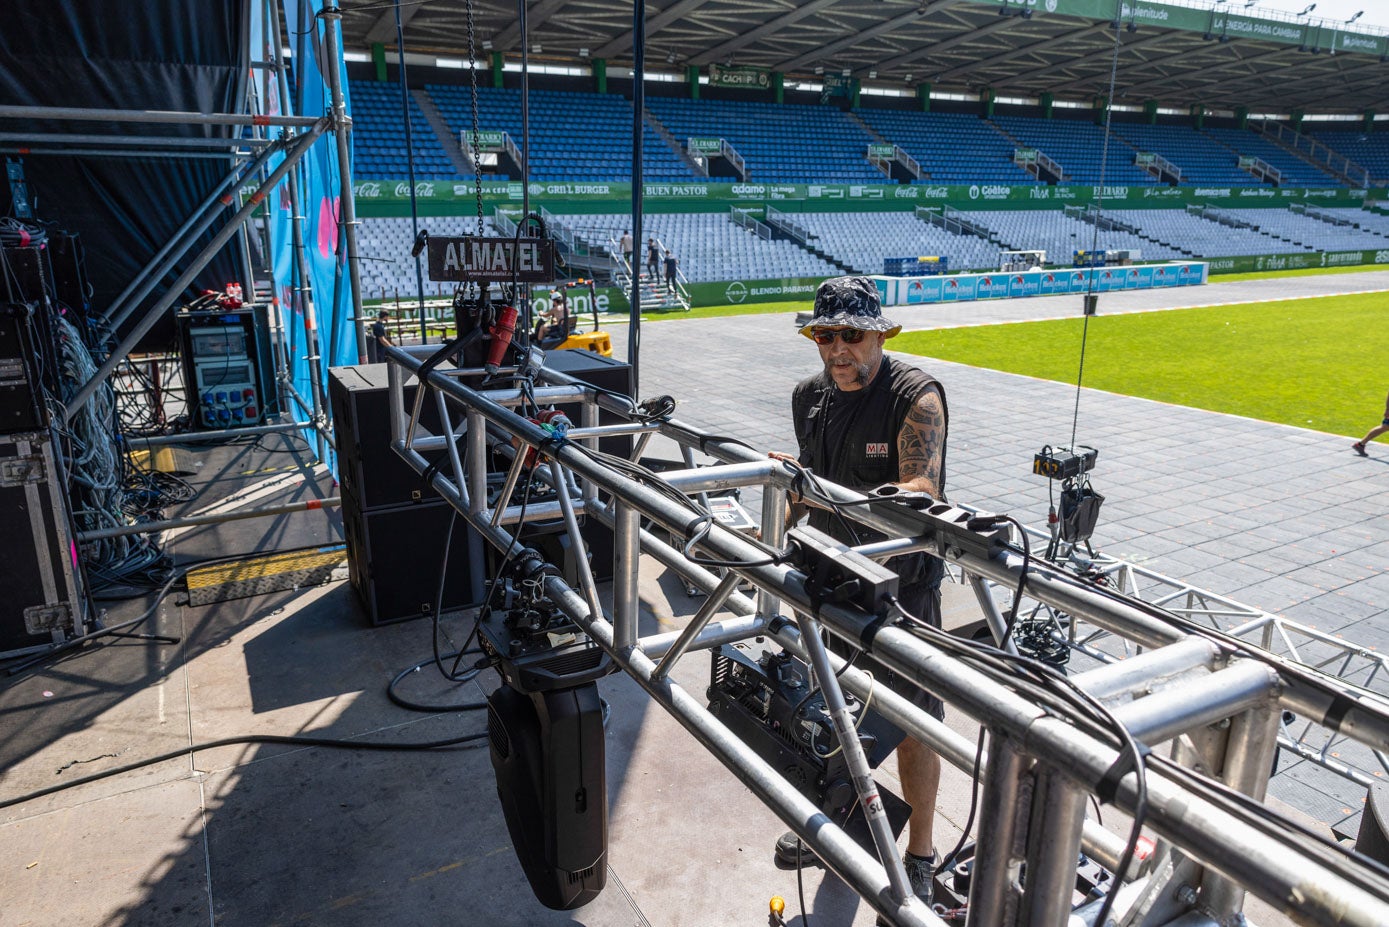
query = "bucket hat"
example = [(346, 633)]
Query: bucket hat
[(849, 302)]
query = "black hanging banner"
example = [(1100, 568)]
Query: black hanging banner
[(475, 258)]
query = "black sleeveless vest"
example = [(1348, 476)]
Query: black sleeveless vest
[(866, 456)]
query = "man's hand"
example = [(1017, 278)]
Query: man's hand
[(795, 505)]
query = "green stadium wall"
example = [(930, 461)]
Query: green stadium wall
[(438, 197)]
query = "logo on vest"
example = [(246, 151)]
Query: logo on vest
[(876, 449)]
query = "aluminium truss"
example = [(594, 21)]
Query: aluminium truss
[(1216, 701)]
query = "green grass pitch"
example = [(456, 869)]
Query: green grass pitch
[(1314, 363)]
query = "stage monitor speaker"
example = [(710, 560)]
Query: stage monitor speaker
[(368, 469), (547, 752), (394, 557)]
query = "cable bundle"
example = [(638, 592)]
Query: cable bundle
[(15, 233), (95, 468)]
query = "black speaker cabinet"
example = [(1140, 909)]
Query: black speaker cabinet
[(45, 599), (22, 408), (547, 752), (395, 556), (367, 467)]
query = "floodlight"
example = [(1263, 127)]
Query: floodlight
[(872, 75), (847, 71), (486, 44), (583, 53), (535, 49)]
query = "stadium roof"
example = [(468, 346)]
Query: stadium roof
[(1180, 52)]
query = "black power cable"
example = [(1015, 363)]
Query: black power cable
[(293, 741)]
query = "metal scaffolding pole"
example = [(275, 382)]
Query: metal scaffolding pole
[(342, 129), (130, 141), (191, 521), (223, 235), (163, 261), (88, 114)]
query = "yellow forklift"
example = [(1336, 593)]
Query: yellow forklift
[(563, 334)]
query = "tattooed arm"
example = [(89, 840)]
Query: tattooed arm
[(919, 445)]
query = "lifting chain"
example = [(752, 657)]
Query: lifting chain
[(475, 140)]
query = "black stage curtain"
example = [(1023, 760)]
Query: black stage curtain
[(177, 55)]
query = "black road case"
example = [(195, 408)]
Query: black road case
[(45, 598)]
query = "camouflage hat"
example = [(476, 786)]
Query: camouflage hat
[(849, 302)]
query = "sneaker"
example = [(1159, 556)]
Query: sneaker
[(1359, 449), (921, 873), (792, 851)]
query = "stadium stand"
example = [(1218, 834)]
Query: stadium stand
[(952, 148), (787, 143), (1078, 147), (1309, 231), (709, 246), (1060, 235), (862, 240), (1202, 160), (378, 137), (1196, 236), (574, 136), (1376, 222), (1296, 172), (1369, 150)]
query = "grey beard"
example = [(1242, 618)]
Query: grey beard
[(862, 377)]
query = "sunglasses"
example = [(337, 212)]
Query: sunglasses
[(827, 335)]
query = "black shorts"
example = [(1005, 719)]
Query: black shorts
[(923, 601)]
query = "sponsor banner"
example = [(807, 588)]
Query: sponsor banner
[(1144, 158), (486, 140), (1246, 162), (960, 287), (993, 286), (1165, 275), (1139, 278), (881, 151), (1109, 278), (1024, 155), (924, 290), (740, 77), (381, 196), (1255, 263), (1211, 21), (738, 292), (1053, 282), (837, 85), (705, 145), (1025, 284)]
